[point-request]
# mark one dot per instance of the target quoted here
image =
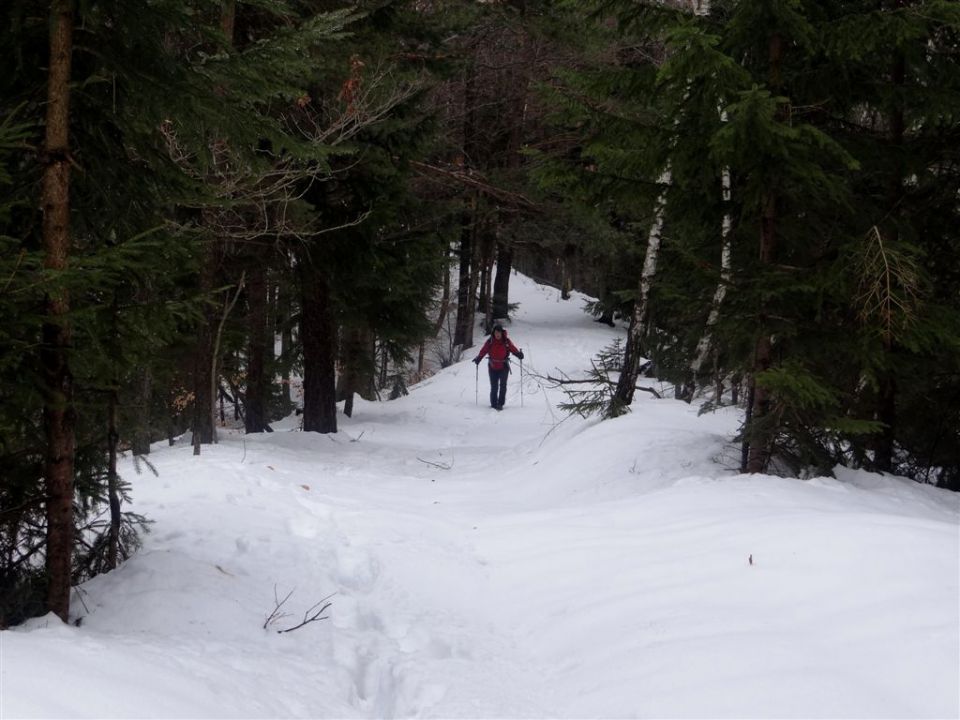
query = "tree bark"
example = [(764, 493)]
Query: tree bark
[(143, 424), (113, 482), (637, 331), (567, 268), (883, 455), (318, 336), (203, 399), (59, 417), (215, 392), (255, 398), (501, 286), (486, 293), (760, 434), (357, 368), (463, 329), (204, 370), (477, 261), (444, 310), (705, 347), (228, 19), (466, 290), (761, 442), (285, 315)]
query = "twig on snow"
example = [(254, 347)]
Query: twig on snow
[(276, 615), (442, 466), (312, 615)]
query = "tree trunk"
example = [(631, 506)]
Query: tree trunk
[(203, 399), (466, 290), (143, 424), (285, 317), (761, 436), (113, 483), (745, 443), (759, 431), (59, 417), (463, 329), (567, 269), (444, 309), (501, 286), (228, 19), (637, 331), (228, 304), (705, 346), (883, 456), (318, 337), (255, 397), (477, 261), (204, 370), (486, 295), (357, 367)]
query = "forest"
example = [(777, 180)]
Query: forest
[(219, 211)]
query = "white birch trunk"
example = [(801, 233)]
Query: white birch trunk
[(649, 272), (705, 346), (623, 396)]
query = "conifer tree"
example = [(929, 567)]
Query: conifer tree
[(141, 108), (779, 104)]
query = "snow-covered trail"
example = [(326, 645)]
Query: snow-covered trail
[(510, 564)]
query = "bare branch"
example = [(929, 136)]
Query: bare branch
[(276, 615), (475, 180), (442, 466), (313, 614)]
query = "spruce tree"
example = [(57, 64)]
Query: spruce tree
[(142, 110), (779, 105)]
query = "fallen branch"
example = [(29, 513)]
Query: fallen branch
[(560, 382), (276, 615), (650, 390), (442, 466), (312, 615)]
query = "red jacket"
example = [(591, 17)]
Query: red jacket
[(499, 351)]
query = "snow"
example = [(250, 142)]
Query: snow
[(509, 565)]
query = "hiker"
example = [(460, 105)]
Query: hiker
[(498, 348)]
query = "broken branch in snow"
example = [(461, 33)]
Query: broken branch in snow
[(276, 615), (442, 466), (312, 615)]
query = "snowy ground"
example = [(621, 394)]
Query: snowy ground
[(494, 565)]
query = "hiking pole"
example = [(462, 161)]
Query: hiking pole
[(521, 382)]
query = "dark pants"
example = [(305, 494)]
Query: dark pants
[(498, 385)]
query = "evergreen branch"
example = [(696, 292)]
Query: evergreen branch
[(889, 286)]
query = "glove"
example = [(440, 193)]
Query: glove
[(520, 354), (476, 361)]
